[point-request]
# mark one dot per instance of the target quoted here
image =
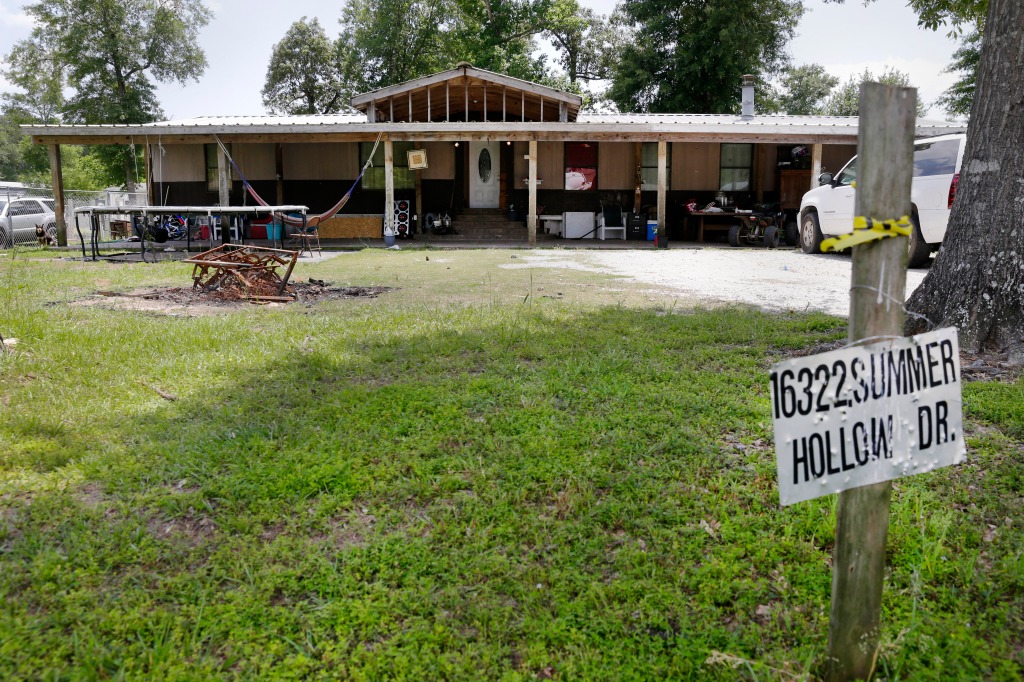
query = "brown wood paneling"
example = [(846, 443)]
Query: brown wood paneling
[(327, 161), (178, 163), (551, 164), (521, 167), (695, 166), (835, 156), (792, 185), (441, 160), (255, 160), (615, 166), (766, 155)]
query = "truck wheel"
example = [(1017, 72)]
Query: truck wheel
[(918, 250), (792, 233), (734, 235), (771, 236), (810, 234)]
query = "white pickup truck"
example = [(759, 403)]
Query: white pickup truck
[(827, 211)]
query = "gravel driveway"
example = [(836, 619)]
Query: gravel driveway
[(780, 279)]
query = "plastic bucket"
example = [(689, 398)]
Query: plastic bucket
[(273, 230), (652, 230)]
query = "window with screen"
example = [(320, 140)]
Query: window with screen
[(736, 167), (373, 178), (581, 166), (649, 167)]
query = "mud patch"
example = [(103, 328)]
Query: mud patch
[(192, 302), (193, 529)]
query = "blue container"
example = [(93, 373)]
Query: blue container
[(273, 230), (652, 230)]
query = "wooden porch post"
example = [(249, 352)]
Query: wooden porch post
[(759, 166), (531, 220), (223, 180), (389, 187), (815, 165), (419, 200), (223, 194), (279, 170), (638, 152), (148, 166), (57, 180), (662, 192)]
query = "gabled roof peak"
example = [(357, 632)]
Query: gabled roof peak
[(466, 93)]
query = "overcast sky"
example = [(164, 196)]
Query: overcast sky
[(845, 39)]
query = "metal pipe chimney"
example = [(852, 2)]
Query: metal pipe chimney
[(748, 97)]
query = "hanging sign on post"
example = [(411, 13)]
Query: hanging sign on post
[(867, 414)]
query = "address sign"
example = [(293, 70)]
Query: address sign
[(867, 414)]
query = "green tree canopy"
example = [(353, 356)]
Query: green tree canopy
[(384, 42), (805, 88), (693, 53), (499, 35), (585, 41), (304, 76), (957, 99), (108, 53), (845, 101)]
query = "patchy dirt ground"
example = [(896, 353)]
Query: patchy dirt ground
[(189, 301)]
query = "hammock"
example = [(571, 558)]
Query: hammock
[(311, 222)]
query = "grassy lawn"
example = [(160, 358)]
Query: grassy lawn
[(489, 472)]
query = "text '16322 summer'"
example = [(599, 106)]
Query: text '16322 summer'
[(866, 414)]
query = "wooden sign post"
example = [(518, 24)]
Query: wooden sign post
[(885, 169)]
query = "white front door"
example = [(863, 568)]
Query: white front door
[(484, 172)]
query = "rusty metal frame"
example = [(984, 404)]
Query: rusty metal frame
[(251, 268)]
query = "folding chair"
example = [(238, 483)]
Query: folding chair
[(610, 223), (305, 236)]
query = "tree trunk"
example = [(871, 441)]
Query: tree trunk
[(977, 280), (129, 175)]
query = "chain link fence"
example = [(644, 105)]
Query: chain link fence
[(27, 215)]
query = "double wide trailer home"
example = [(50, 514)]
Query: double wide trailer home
[(487, 156)]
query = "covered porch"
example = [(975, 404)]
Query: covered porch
[(483, 156)]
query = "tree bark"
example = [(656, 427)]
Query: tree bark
[(977, 280)]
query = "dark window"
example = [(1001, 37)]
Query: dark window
[(373, 178), (736, 167), (50, 204), (581, 165), (936, 158), (649, 166), (25, 208), (211, 167)]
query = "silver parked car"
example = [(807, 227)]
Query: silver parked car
[(19, 218)]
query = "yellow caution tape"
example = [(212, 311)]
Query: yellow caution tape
[(868, 230)]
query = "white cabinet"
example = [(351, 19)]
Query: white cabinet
[(578, 224)]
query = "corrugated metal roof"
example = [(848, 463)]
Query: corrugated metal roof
[(242, 121), (717, 120), (716, 124)]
